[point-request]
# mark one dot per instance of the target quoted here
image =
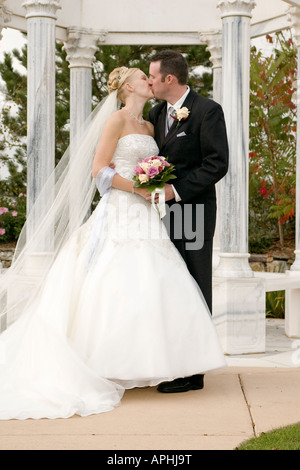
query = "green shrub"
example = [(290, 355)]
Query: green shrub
[(275, 304)]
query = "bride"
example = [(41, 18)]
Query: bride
[(112, 305)]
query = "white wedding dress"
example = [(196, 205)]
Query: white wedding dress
[(113, 314)]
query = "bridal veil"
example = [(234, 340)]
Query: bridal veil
[(61, 207)]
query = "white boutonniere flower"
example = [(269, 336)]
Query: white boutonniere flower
[(181, 115)]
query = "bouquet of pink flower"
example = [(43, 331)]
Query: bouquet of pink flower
[(153, 172)]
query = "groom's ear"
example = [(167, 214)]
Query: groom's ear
[(170, 79)]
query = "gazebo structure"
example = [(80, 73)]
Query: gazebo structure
[(226, 27)]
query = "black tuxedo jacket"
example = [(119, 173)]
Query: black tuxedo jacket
[(200, 153)]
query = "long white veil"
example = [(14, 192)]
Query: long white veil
[(61, 207)]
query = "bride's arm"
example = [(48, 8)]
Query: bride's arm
[(107, 144)]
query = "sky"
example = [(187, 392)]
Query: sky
[(12, 39)]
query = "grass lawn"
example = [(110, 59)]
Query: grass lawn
[(287, 438)]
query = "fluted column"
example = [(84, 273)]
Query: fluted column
[(294, 16), (81, 47), (41, 22), (234, 257), (5, 17), (214, 46), (292, 296)]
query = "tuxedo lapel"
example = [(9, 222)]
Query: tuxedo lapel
[(161, 126), (174, 129)]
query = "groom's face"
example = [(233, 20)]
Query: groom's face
[(159, 87)]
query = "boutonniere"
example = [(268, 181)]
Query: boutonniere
[(181, 115)]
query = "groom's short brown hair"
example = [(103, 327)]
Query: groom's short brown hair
[(172, 62)]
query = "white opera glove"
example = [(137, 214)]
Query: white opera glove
[(104, 179)]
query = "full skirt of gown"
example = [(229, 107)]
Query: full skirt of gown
[(116, 311)]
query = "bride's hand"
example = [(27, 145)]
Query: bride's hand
[(143, 192)]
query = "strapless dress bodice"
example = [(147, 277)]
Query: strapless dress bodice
[(131, 149)]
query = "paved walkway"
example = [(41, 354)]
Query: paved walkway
[(256, 394)]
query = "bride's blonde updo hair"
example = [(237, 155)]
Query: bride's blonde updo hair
[(117, 78)]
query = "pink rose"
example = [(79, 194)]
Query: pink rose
[(152, 171), (138, 170), (14, 213), (2, 231)]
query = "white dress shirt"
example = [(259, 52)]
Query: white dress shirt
[(176, 106)]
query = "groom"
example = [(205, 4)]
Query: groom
[(197, 146)]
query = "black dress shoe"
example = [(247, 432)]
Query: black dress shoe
[(184, 384)]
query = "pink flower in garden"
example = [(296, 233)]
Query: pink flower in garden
[(3, 210), (14, 213), (2, 231)]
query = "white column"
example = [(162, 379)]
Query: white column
[(81, 47), (41, 22), (292, 296), (294, 16), (238, 297), (5, 17), (234, 257), (214, 46)]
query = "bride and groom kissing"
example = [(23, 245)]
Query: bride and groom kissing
[(190, 130), (111, 314)]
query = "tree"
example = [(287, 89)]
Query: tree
[(273, 139)]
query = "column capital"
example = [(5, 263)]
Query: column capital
[(5, 17), (81, 46), (236, 7), (41, 8), (214, 43)]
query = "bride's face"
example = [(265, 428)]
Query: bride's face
[(140, 84)]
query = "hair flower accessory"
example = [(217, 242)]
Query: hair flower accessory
[(181, 114)]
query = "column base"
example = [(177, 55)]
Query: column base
[(233, 265), (239, 314)]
